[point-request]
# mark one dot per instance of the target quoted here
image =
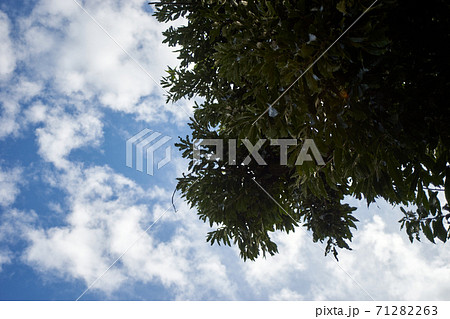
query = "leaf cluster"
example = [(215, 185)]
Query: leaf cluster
[(376, 105)]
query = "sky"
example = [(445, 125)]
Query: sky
[(77, 80)]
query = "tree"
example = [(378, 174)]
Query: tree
[(375, 104)]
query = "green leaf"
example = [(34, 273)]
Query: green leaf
[(341, 6), (306, 51), (439, 230), (428, 232), (338, 158)]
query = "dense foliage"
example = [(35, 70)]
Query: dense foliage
[(376, 105)]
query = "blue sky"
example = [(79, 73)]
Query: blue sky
[(70, 97)]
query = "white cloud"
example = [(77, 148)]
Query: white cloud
[(265, 273), (13, 224), (9, 185), (101, 206), (382, 262), (286, 294), (62, 132), (18, 92), (7, 56), (65, 47), (63, 50), (389, 267), (107, 214)]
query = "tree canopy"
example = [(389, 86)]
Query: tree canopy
[(375, 104)]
